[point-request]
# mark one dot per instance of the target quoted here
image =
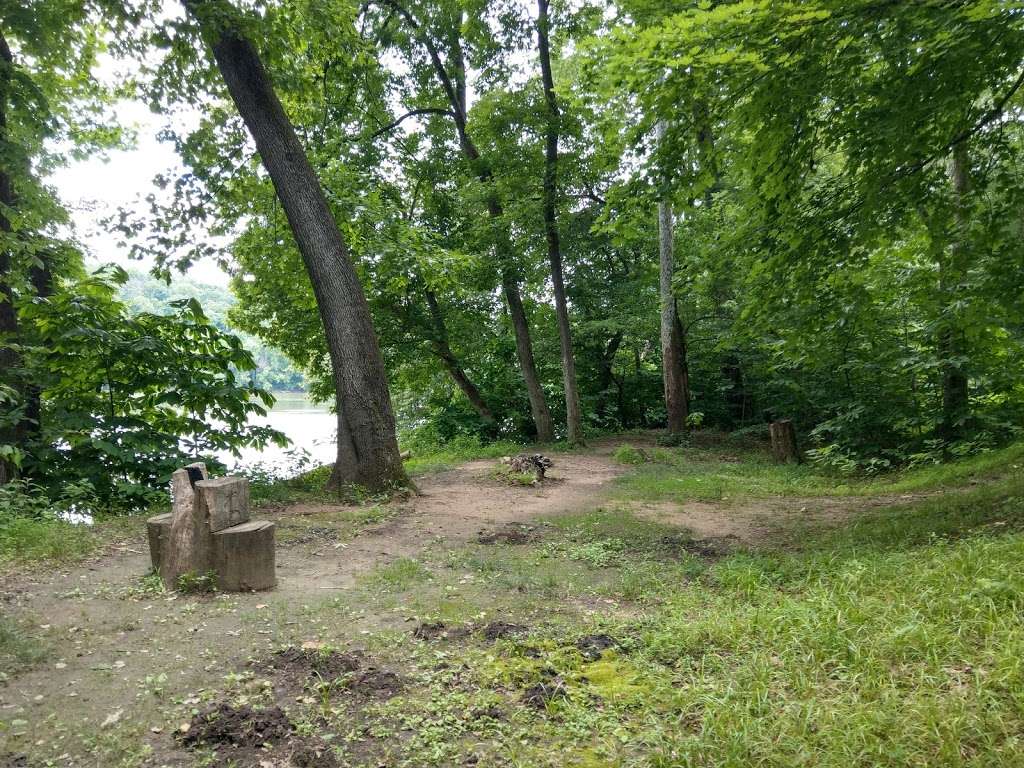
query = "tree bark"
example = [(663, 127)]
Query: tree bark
[(952, 273), (367, 447), (671, 339), (573, 417), (783, 435), (605, 374), (455, 93), (443, 350), (9, 357)]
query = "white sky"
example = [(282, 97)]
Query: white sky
[(96, 188)]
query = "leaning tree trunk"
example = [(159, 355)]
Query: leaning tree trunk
[(573, 418), (952, 271), (673, 375), (442, 348), (9, 358), (521, 330), (367, 447)]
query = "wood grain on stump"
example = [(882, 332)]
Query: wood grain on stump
[(243, 557), (157, 531), (223, 502), (783, 435), (188, 545)]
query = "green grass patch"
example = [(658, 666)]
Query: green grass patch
[(29, 540), (18, 649), (438, 458), (713, 471), (892, 640), (398, 575)]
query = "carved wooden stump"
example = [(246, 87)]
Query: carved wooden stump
[(208, 529), (783, 435), (223, 502), (243, 557), (187, 549), (157, 530)]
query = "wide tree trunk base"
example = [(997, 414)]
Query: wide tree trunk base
[(784, 449)]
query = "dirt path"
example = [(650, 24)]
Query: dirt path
[(119, 655), (453, 507)]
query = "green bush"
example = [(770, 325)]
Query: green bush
[(630, 454)]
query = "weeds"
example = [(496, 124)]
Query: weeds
[(197, 583), (399, 574)]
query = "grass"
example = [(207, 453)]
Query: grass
[(427, 459), (895, 640), (713, 470), (18, 650), (398, 575), (29, 540)]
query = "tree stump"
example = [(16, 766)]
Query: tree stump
[(243, 557), (157, 530), (187, 548), (223, 502), (783, 435)]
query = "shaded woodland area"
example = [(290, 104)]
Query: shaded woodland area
[(508, 221), (674, 352)]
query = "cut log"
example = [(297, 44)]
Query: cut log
[(783, 435), (188, 546), (243, 557), (223, 502), (157, 530)]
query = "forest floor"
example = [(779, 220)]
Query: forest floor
[(643, 606)]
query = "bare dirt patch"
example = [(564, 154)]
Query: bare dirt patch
[(719, 528), (244, 735), (109, 640)]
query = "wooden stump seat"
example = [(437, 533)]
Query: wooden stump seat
[(208, 530)]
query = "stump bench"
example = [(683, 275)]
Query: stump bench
[(208, 530)]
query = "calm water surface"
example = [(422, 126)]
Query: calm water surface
[(310, 427)]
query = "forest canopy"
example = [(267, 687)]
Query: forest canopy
[(531, 221)]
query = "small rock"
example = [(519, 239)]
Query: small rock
[(112, 719)]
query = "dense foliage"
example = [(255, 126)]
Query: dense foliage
[(843, 174), (99, 404), (143, 292)]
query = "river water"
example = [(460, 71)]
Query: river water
[(311, 427)]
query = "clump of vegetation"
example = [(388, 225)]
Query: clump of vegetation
[(18, 649), (673, 440), (197, 583), (506, 474), (631, 455), (398, 575)]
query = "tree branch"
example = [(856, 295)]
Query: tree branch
[(413, 113)]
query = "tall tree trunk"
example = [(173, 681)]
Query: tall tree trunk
[(952, 273), (9, 358), (681, 343), (442, 348), (539, 410), (367, 447), (455, 93), (573, 418), (671, 339), (605, 371)]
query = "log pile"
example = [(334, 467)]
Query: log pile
[(525, 463), (208, 530)]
